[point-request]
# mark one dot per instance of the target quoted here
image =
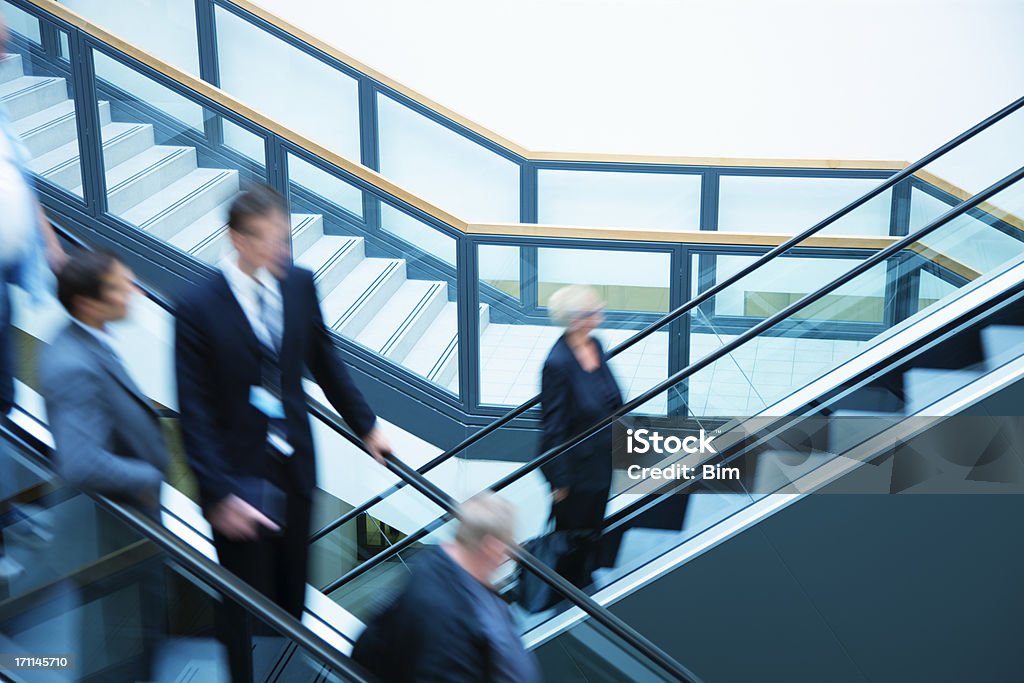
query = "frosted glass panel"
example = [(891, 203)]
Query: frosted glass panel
[(985, 158), (331, 188), (931, 289), (783, 281), (791, 205), (288, 85), (499, 267), (627, 280), (619, 200), (20, 22), (166, 29), (924, 208), (148, 91), (445, 168), (416, 232)]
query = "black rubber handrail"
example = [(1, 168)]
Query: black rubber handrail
[(679, 376), (559, 585), (211, 573), (688, 306)]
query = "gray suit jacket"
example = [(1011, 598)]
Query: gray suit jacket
[(107, 433)]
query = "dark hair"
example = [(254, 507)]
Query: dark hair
[(83, 275), (258, 200)]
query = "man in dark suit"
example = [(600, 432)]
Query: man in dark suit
[(107, 434), (243, 340), (448, 624)]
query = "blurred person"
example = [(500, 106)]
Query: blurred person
[(27, 240), (448, 624), (108, 439), (107, 433), (578, 390), (242, 342)]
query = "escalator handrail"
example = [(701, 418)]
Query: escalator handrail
[(211, 573), (428, 489), (675, 314), (712, 357)]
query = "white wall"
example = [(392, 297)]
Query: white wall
[(868, 79)]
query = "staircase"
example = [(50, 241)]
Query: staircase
[(163, 191)]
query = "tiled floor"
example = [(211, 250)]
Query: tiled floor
[(748, 380)]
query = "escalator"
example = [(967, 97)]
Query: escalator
[(625, 655), (953, 354), (102, 590), (368, 546)]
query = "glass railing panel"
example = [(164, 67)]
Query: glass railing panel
[(976, 164), (166, 29), (516, 339), (174, 166), (392, 290), (20, 23), (272, 77), (39, 101), (586, 650), (109, 599), (445, 167), (612, 199), (371, 533), (786, 205)]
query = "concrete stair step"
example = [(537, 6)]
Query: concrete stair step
[(27, 95), (11, 67), (181, 203), (331, 258), (435, 355), (404, 318), (146, 174), (206, 238), (52, 127), (307, 228), (121, 141), (357, 299)]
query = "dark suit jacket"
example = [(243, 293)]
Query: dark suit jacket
[(218, 360), (571, 401), (107, 433), (431, 632)]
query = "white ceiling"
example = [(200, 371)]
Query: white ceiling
[(857, 79)]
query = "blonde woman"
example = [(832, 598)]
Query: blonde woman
[(578, 390)]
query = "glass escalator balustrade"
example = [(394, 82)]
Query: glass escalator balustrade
[(106, 601), (643, 527)]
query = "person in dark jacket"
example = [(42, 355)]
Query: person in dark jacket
[(243, 341), (448, 624), (578, 390)]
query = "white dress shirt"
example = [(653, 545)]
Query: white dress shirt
[(248, 292), (17, 206)]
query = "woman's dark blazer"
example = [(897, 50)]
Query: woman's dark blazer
[(571, 401)]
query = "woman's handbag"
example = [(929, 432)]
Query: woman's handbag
[(532, 593)]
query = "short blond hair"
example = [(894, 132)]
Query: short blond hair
[(483, 515), (570, 303)]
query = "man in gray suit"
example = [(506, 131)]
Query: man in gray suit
[(108, 437), (107, 432)]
